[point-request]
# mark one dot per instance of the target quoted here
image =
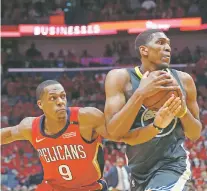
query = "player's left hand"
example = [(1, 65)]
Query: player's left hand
[(183, 104), (167, 112)]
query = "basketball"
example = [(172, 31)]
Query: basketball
[(156, 101)]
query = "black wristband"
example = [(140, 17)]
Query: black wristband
[(158, 128)]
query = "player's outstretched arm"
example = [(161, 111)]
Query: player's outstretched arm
[(119, 113), (92, 123), (189, 115), (22, 131)]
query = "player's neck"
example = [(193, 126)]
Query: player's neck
[(147, 66), (52, 126)]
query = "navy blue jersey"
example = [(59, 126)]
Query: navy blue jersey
[(145, 159)]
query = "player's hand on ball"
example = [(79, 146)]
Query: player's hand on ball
[(152, 83), (167, 112)]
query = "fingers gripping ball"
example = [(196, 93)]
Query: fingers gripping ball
[(156, 101)]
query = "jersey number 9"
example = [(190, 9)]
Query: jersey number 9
[(65, 172)]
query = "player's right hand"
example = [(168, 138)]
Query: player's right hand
[(167, 112), (152, 83)]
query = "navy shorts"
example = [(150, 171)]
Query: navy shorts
[(164, 179)]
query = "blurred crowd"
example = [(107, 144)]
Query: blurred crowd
[(20, 165), (21, 169), (84, 11), (114, 10), (30, 12), (11, 56), (116, 53)]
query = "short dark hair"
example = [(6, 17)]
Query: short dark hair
[(143, 38), (42, 86)]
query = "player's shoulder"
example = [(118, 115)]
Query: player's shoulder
[(90, 113), (117, 79), (187, 81), (118, 73), (184, 76), (25, 127), (27, 122)]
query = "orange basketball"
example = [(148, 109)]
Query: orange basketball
[(156, 101)]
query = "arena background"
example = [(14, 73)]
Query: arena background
[(77, 43)]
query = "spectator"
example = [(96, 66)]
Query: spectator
[(85, 54), (71, 57), (201, 65), (168, 13), (60, 59), (134, 4), (175, 59), (179, 12), (193, 10), (148, 5), (32, 52), (51, 56), (108, 51), (118, 176), (186, 55)]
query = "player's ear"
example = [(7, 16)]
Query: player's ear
[(143, 50), (39, 103)]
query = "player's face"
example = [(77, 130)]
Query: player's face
[(159, 50), (54, 102)]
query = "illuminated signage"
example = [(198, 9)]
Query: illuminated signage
[(102, 28), (66, 30)]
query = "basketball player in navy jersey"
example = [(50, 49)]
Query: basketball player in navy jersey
[(156, 156)]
